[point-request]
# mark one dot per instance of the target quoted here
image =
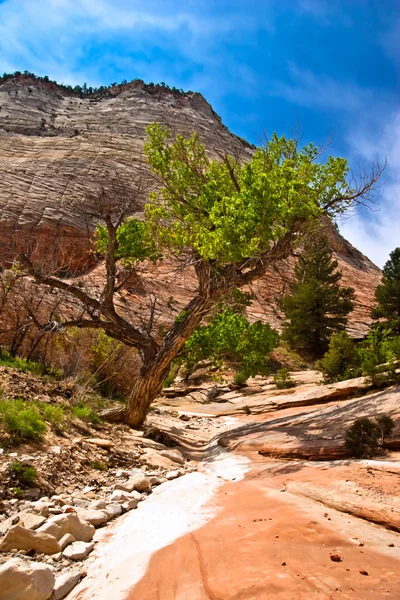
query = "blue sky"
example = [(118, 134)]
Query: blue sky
[(263, 64)]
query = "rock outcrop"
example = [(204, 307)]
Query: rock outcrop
[(57, 148)]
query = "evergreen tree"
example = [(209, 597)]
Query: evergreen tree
[(316, 306), (387, 294)]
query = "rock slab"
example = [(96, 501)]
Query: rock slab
[(20, 580)]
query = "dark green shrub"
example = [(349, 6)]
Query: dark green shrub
[(283, 379), (365, 437), (362, 438), (341, 361)]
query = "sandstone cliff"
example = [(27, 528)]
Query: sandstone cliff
[(55, 147)]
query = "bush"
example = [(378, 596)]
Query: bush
[(25, 474), (365, 437), (378, 355), (341, 361), (22, 420), (54, 415), (85, 413), (283, 380), (362, 438), (231, 337)]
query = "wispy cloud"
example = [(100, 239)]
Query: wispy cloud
[(377, 233)]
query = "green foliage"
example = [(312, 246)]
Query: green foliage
[(98, 465), (341, 361), (378, 355), (365, 437), (228, 211), (85, 413), (134, 242), (283, 379), (22, 420), (54, 415), (28, 366), (362, 438), (387, 294), (25, 474), (317, 305), (233, 338)]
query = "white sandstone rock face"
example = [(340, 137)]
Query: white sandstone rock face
[(20, 580), (78, 550), (17, 537)]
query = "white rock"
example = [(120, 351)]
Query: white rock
[(98, 504), (113, 510), (119, 496), (139, 481), (173, 475), (66, 540), (30, 520), (129, 505), (69, 523), (136, 495), (173, 455), (78, 550), (20, 580), (17, 537), (40, 508), (93, 516), (64, 584)]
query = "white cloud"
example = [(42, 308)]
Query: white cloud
[(376, 234)]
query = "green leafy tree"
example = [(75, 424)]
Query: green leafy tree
[(387, 294), (342, 360), (232, 338), (317, 306), (226, 220)]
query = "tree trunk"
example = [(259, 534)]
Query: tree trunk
[(145, 390)]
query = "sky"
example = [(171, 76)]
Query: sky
[(264, 65)]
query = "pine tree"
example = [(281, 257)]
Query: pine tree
[(316, 306), (387, 294)]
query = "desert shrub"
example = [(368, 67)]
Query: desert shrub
[(283, 379), (85, 413), (27, 366), (98, 465), (362, 438), (365, 437), (341, 361), (22, 419), (378, 355), (385, 426), (25, 474)]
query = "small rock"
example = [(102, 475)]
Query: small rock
[(31, 520), (129, 505), (173, 455), (93, 516), (64, 584), (78, 550), (98, 504), (24, 539), (100, 442), (391, 545), (66, 540), (20, 580), (5, 525), (113, 510), (173, 475), (40, 508), (363, 572), (335, 557)]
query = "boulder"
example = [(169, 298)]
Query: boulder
[(78, 550), (69, 523), (139, 481), (113, 510), (64, 584), (30, 520), (93, 516), (98, 504), (24, 539), (40, 508), (174, 455), (20, 580)]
